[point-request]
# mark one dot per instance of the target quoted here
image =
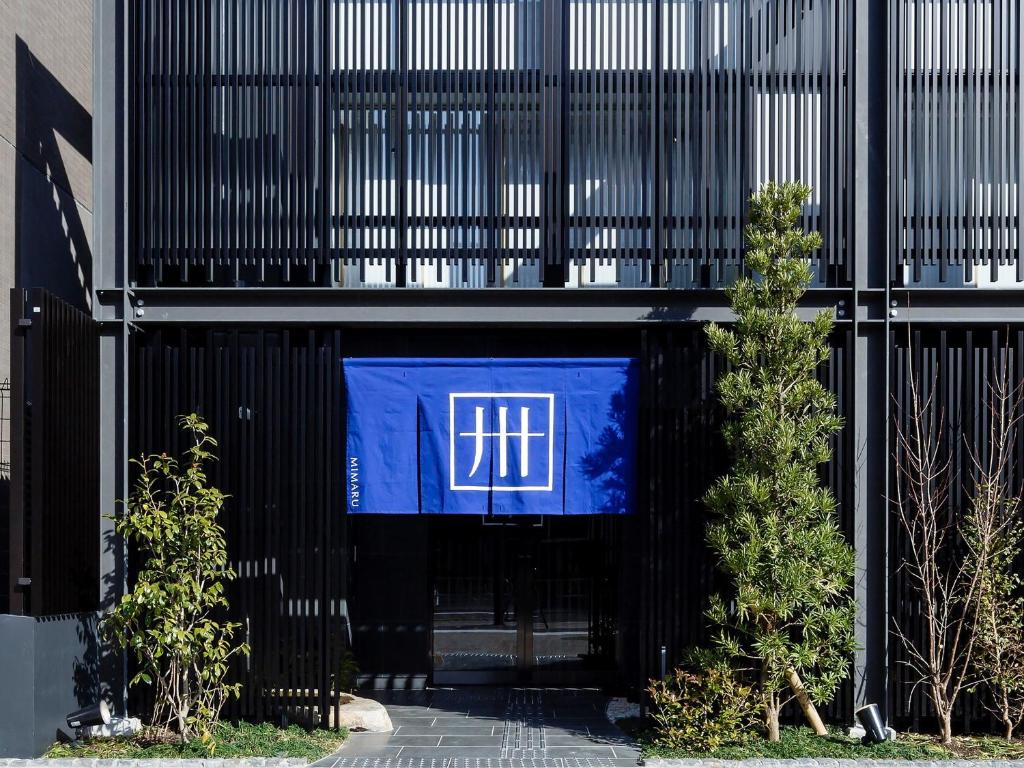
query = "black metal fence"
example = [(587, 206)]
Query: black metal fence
[(54, 516)]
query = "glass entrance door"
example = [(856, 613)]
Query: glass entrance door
[(523, 600), (476, 634)]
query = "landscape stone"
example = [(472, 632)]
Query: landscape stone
[(359, 714)]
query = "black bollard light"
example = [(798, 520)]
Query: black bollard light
[(94, 714), (870, 720)]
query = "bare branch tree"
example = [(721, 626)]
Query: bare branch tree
[(945, 572)]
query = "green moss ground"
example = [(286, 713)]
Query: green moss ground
[(241, 740), (799, 742)]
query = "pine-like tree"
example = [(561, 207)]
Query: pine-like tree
[(788, 610)]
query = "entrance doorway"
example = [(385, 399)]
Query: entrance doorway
[(524, 600)]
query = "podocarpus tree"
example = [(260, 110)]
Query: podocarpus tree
[(788, 610), (171, 618)]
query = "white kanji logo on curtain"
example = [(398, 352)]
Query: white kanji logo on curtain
[(501, 441)]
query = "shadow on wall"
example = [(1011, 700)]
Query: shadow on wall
[(611, 465), (103, 666), (86, 667), (51, 242)]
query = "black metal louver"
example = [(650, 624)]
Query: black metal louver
[(478, 142)]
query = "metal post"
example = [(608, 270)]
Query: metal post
[(17, 575), (870, 352), (110, 308)]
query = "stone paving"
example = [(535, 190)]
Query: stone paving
[(389, 762), (822, 762), (161, 762), (490, 728)]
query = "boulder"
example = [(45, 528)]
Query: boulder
[(359, 714), (617, 709)]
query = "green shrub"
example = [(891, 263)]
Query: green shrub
[(171, 619), (701, 711)]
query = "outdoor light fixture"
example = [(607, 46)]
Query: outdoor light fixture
[(870, 720), (95, 714)]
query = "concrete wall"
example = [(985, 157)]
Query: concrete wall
[(49, 667), (45, 152)]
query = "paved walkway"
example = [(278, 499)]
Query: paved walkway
[(490, 728)]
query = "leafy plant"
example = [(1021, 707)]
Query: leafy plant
[(347, 677), (1000, 652), (701, 710), (994, 535), (788, 609), (170, 618)]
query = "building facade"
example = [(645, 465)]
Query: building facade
[(280, 187)]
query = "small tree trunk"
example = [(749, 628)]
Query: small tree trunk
[(810, 711), (771, 705), (771, 720), (946, 725), (1008, 733)]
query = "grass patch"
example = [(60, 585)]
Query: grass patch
[(799, 742), (241, 740), (976, 747)]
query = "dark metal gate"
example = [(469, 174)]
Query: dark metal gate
[(54, 497)]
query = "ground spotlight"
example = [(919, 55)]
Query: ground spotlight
[(94, 714), (870, 720)]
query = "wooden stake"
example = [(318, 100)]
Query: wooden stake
[(810, 711)]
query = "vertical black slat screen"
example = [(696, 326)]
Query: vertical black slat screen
[(755, 91), (682, 451), (226, 141), (273, 399), (55, 457), (954, 368), (490, 142), (957, 136)]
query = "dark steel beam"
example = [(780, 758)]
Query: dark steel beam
[(534, 306), (957, 306), (528, 306)]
